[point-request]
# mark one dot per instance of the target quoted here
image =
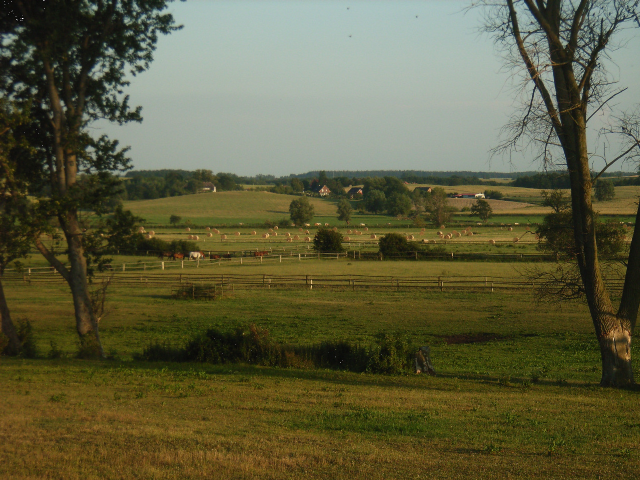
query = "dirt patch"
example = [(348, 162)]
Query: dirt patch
[(482, 337)]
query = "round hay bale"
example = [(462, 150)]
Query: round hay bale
[(208, 228), (366, 229), (253, 232), (492, 242), (300, 230), (307, 239), (510, 229), (287, 234), (237, 234), (373, 236), (516, 239), (440, 233), (223, 237), (196, 237), (297, 237), (275, 234), (307, 232), (265, 235), (275, 228), (188, 229), (209, 234), (347, 239), (152, 232), (289, 239), (326, 224), (335, 229)]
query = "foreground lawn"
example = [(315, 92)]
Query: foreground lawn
[(86, 420)]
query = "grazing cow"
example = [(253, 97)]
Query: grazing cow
[(195, 255), (214, 257), (260, 254), (178, 256)]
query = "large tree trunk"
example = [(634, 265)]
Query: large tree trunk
[(86, 321), (615, 350), (7, 325)]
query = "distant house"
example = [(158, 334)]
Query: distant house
[(322, 191), (354, 191), (208, 187)]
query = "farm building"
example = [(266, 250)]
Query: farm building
[(322, 191), (354, 191), (208, 187)]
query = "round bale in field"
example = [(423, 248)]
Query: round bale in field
[(440, 233), (275, 234), (510, 229), (275, 228), (346, 239), (516, 240), (335, 229), (253, 232), (265, 235), (188, 229), (208, 228), (289, 239), (307, 232), (297, 237), (307, 239), (152, 232), (469, 233), (287, 234), (373, 236), (366, 229), (209, 234), (237, 234), (492, 242), (326, 224), (223, 237)]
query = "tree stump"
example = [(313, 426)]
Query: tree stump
[(422, 361)]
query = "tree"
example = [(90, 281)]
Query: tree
[(562, 47), (375, 201), (175, 219), (327, 241), (71, 62), (399, 204), (605, 190), (394, 244), (344, 210), (301, 211), (437, 206), (493, 194), (297, 185), (482, 209), (555, 199), (15, 232)]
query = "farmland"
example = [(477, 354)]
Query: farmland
[(515, 393)]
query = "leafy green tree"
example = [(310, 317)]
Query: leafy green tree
[(297, 185), (327, 241), (437, 206), (301, 210), (394, 244), (15, 231), (344, 210), (399, 204), (556, 199), (375, 201), (605, 190), (71, 62), (175, 219), (482, 209), (494, 194)]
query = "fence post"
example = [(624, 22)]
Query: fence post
[(299, 258), (311, 284), (162, 265), (144, 267), (240, 260), (260, 259), (280, 258), (123, 265), (182, 263)]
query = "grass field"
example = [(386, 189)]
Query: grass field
[(515, 395)]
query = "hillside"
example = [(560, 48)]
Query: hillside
[(237, 206)]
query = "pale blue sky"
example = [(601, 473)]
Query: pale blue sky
[(279, 87)]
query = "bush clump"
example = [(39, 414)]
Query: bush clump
[(390, 354)]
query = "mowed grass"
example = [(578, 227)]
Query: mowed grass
[(515, 395)]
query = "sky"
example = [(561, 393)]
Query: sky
[(279, 87)]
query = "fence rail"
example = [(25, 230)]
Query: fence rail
[(228, 282)]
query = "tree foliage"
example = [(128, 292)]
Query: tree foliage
[(375, 201), (437, 206), (399, 204), (327, 241), (482, 209), (394, 244), (301, 210), (344, 210), (605, 190)]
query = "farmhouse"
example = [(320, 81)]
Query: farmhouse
[(354, 191), (208, 187), (322, 191)]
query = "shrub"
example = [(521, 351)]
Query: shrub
[(328, 241), (390, 355), (394, 244), (494, 194), (89, 347), (28, 346)]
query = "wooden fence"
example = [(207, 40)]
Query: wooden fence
[(231, 282)]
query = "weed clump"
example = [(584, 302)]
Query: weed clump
[(390, 354)]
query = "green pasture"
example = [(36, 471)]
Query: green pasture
[(516, 393)]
